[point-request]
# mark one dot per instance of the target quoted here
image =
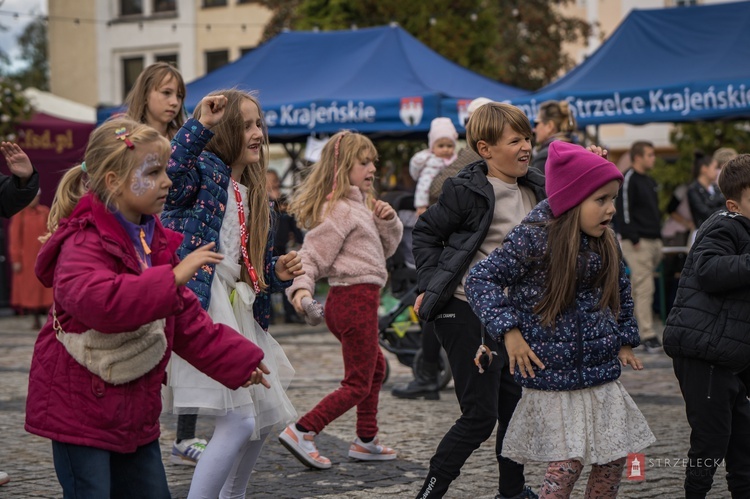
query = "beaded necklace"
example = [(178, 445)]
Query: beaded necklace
[(244, 237)]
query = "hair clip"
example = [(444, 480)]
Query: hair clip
[(83, 167), (122, 134)]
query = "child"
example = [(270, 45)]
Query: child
[(708, 339), (156, 99), (113, 269), (557, 295), (28, 295), (219, 195), (477, 208), (350, 236), (425, 165)]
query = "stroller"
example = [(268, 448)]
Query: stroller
[(399, 328)]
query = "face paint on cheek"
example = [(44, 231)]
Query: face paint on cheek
[(141, 183)]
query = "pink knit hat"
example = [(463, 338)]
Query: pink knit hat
[(573, 174), (441, 128)]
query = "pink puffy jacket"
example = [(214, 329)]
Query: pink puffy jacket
[(98, 284)]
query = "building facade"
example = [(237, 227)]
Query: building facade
[(97, 48)]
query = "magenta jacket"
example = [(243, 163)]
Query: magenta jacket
[(98, 284)]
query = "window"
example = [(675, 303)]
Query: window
[(165, 6), (169, 58), (131, 68), (214, 3), (685, 3), (216, 59), (131, 7), (246, 50)]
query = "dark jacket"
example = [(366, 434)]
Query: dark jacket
[(710, 318), (195, 208), (540, 153), (638, 214), (13, 197), (580, 349), (702, 203), (448, 235)]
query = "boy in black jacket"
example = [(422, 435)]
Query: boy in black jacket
[(708, 337)]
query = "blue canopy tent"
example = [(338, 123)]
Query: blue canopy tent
[(664, 65), (378, 81)]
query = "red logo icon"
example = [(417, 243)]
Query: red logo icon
[(636, 467)]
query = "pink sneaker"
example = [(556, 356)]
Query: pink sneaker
[(302, 446), (370, 451)]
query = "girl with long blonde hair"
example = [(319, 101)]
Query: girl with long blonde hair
[(350, 236), (120, 309), (219, 195)]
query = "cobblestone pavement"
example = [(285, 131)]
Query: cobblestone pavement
[(414, 428)]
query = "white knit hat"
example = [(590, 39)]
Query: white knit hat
[(441, 128), (477, 103)]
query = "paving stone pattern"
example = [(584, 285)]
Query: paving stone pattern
[(414, 428)]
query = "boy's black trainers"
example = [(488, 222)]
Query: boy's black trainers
[(526, 493), (652, 345)]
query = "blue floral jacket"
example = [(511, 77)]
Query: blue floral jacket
[(195, 207), (580, 349)]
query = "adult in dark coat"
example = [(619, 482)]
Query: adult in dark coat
[(20, 189), (16, 192)]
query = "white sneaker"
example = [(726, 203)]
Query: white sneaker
[(188, 451), (302, 446), (370, 451), (4, 478)]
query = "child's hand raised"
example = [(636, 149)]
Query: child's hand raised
[(383, 210), (599, 151), (289, 266), (627, 357), (257, 377), (212, 110), (19, 163), (187, 268), (520, 354)]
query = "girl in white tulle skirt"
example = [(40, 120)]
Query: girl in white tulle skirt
[(219, 195), (557, 294)]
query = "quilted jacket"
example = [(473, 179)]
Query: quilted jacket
[(580, 349), (195, 208), (98, 284)]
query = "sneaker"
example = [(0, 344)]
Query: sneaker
[(4, 478), (370, 451), (526, 493), (188, 451), (302, 446), (314, 313), (652, 345)]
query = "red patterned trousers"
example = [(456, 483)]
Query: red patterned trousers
[(352, 316)]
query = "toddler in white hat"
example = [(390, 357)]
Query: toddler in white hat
[(426, 164)]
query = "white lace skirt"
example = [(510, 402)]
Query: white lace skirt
[(593, 425), (191, 392)]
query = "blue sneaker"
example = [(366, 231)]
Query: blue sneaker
[(188, 451)]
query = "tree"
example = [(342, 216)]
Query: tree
[(697, 136), (517, 42), (33, 45), (14, 108)]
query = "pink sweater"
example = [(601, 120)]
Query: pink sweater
[(349, 247)]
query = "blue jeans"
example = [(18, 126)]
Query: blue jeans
[(90, 473)]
